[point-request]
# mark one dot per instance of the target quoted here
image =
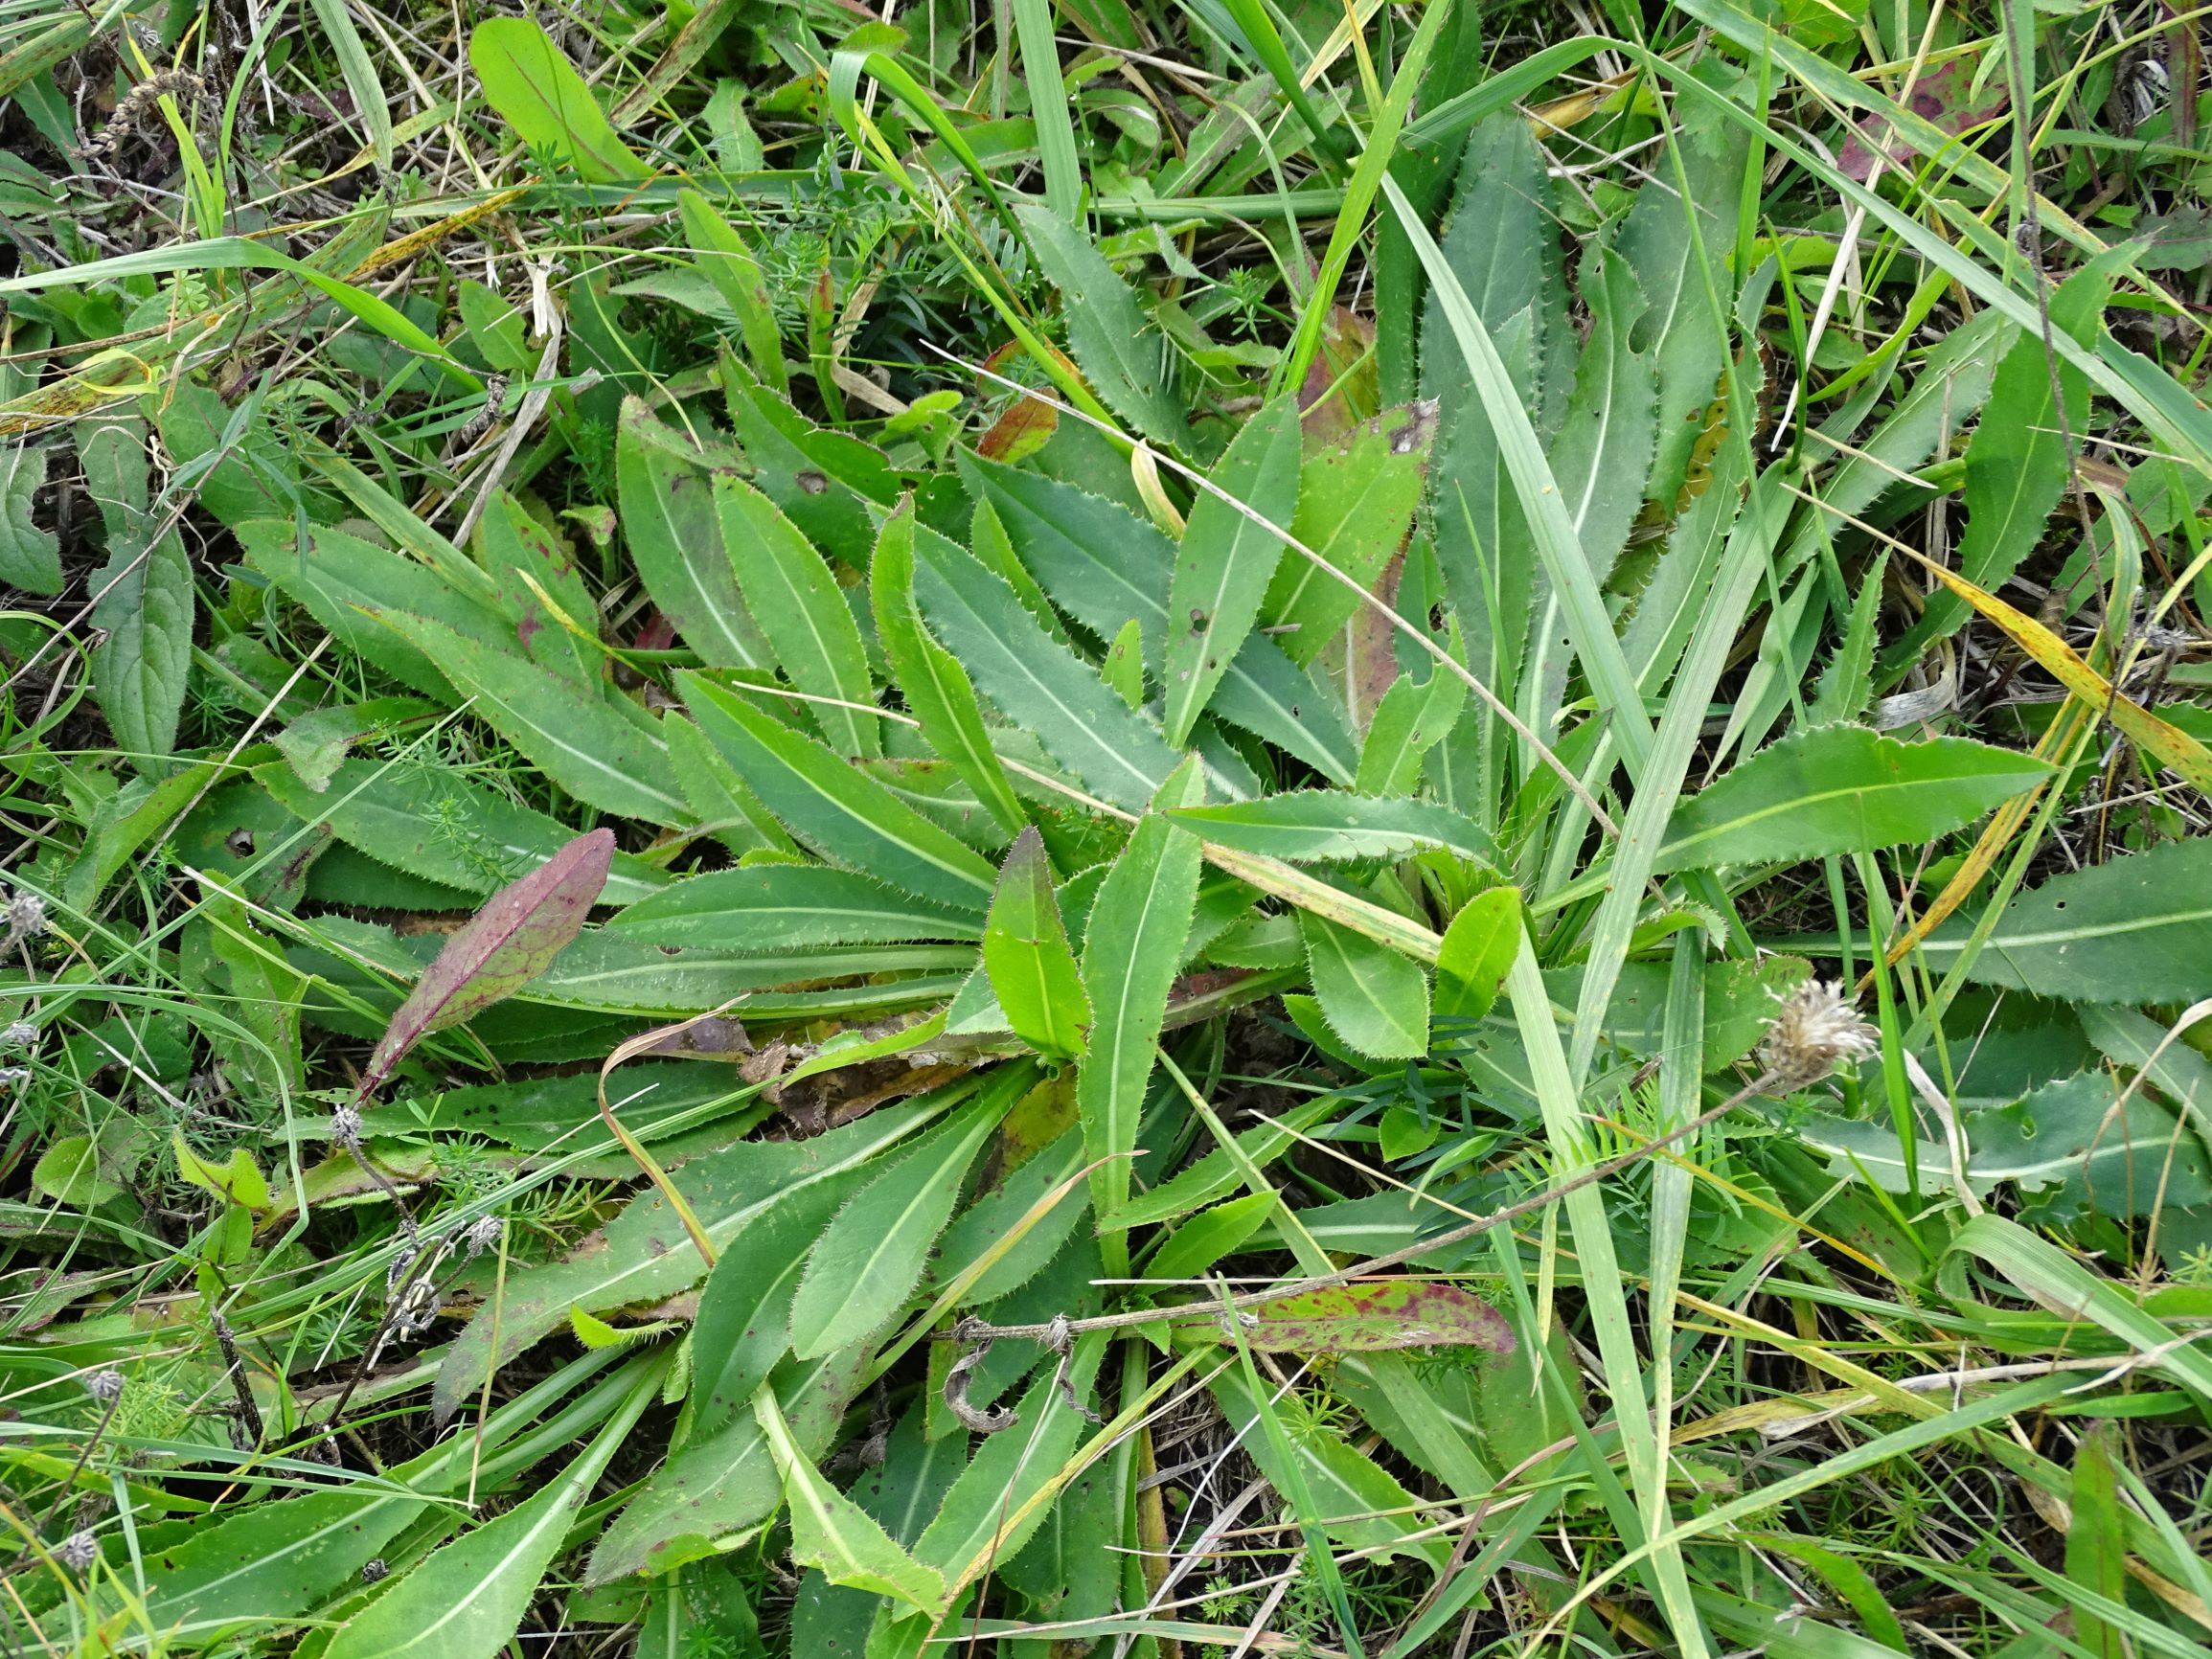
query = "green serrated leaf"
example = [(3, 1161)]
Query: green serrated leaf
[(833, 1532), (1478, 951), (2136, 929), (800, 608), (1842, 789), (1356, 507), (1226, 561), (1121, 353), (582, 743), (1037, 682), (1106, 566), (836, 808), (1331, 827), (873, 1254), (1374, 999), (1132, 950), (30, 558), (767, 907), (1124, 667), (936, 688), (1025, 952)]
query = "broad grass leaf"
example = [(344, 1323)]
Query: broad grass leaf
[(1356, 505), (834, 808), (644, 1254), (1376, 1315), (2136, 929), (467, 1600), (675, 535), (350, 586), (1025, 952), (1331, 827), (1226, 561), (833, 1532), (1121, 351), (1375, 999), (30, 558), (872, 1256), (2016, 463), (540, 95), (505, 945), (582, 741), (1132, 950), (767, 907), (799, 607), (1842, 789), (1478, 951), (1107, 567), (936, 688), (1037, 682)]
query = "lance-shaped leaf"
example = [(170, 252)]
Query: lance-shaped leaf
[(766, 907), (1132, 947), (1025, 953), (1226, 562), (1330, 826), (836, 808), (800, 608), (1842, 789), (936, 688), (1121, 352), (831, 1532), (873, 1254), (1375, 1316), (669, 520), (505, 945)]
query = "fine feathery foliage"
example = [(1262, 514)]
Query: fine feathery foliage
[(1093, 827)]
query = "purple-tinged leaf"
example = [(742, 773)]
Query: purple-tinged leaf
[(1383, 1313), (504, 945)]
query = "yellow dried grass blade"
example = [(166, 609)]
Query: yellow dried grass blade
[(2169, 745)]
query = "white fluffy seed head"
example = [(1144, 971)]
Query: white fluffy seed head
[(1815, 1028), (78, 1551), (346, 1127)]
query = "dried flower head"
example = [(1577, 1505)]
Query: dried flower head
[(1816, 1027), (346, 1127), (78, 1551), (26, 919), (12, 1076), (395, 1275), (21, 1034), (374, 1570), (483, 1235), (104, 1385)]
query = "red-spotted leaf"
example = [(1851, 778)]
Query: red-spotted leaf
[(504, 945), (1381, 1314)]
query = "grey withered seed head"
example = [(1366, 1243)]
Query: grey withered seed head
[(77, 1552), (104, 1385), (1815, 1028)]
